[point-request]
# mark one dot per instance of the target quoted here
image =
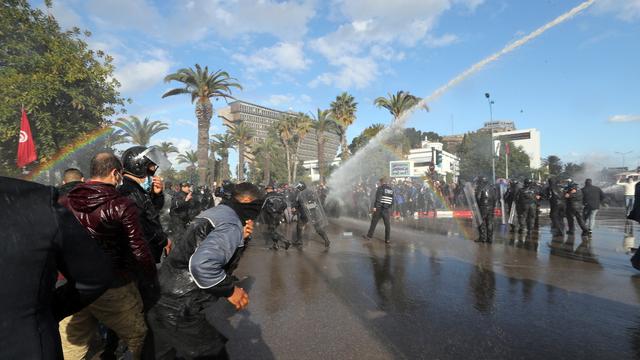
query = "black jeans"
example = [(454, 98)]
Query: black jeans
[(557, 217), (384, 214), (486, 229), (577, 214)]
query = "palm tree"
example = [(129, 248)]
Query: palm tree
[(398, 103), (189, 157), (264, 150), (167, 147), (220, 144), (242, 135), (344, 109), (285, 130), (302, 126), (322, 122), (136, 131), (202, 86)]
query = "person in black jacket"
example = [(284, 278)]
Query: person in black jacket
[(145, 189), (382, 202), (272, 213), (574, 199), (199, 271), (41, 238), (593, 197), (181, 205), (557, 204), (486, 198), (527, 205), (70, 178)]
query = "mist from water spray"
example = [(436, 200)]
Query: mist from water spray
[(355, 168)]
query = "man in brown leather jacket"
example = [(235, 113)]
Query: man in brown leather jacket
[(112, 220)]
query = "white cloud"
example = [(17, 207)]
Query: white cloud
[(66, 16), (137, 14), (624, 118), (282, 56), (280, 99), (627, 10), (373, 30), (141, 75), (440, 41), (355, 72), (186, 122)]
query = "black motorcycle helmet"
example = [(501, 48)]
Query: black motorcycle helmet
[(528, 182), (481, 180), (135, 162), (300, 185)]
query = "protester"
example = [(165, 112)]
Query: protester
[(629, 192), (593, 197), (199, 271), (70, 178), (112, 220), (181, 205), (44, 239)]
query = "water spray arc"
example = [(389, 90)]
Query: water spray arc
[(351, 170)]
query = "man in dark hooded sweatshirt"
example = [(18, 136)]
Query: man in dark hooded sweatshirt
[(197, 272), (70, 179)]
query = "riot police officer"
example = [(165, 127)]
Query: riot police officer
[(554, 193), (510, 201), (527, 205), (486, 198), (272, 213), (309, 209), (574, 200), (381, 207)]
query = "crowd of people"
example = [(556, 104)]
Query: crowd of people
[(122, 259)]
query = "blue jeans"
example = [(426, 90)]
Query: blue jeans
[(590, 217), (628, 202)]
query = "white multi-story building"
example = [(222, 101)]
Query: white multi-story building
[(528, 140), (312, 169), (427, 155)]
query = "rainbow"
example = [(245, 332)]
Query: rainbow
[(68, 150)]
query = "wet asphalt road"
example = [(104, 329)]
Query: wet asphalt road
[(435, 294)]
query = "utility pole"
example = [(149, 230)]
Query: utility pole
[(623, 155), (493, 157)]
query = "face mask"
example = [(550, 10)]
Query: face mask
[(245, 211), (146, 185)]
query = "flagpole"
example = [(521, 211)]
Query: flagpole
[(506, 163)]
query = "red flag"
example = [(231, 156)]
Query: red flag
[(26, 146), (507, 150)]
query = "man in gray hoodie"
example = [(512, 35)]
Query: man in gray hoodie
[(197, 272)]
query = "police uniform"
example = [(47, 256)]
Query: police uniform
[(382, 203)]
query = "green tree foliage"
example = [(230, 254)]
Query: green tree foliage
[(138, 132), (220, 145), (202, 86), (167, 147), (398, 103), (66, 88), (365, 136), (343, 110), (554, 164), (475, 158), (242, 136)]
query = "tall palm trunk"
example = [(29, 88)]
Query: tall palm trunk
[(240, 162), (267, 169), (204, 112), (288, 154), (321, 167), (225, 168), (344, 146)]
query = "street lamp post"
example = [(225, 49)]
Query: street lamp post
[(493, 154)]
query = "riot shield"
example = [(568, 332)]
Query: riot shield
[(503, 190), (470, 195), (312, 208), (512, 213)]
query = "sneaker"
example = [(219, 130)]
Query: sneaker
[(286, 245), (366, 237), (387, 242)]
